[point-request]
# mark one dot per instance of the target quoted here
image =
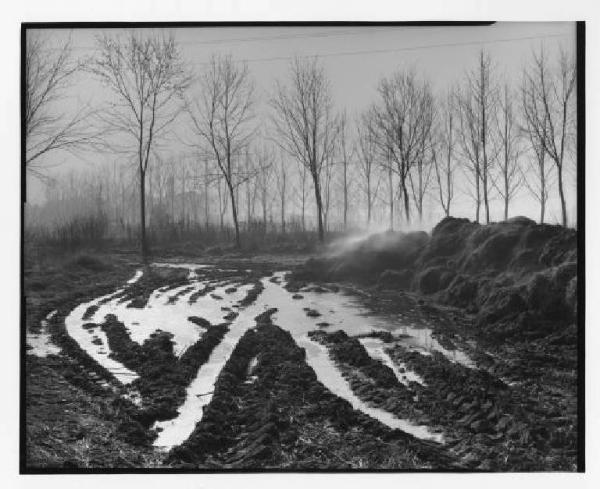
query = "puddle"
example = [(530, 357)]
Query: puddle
[(291, 317), (318, 358), (345, 312), (376, 349), (41, 343), (96, 344), (339, 310), (192, 267), (159, 313), (136, 277), (200, 391)]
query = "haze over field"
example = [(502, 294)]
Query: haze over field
[(354, 61)]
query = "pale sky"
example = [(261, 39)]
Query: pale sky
[(355, 59)]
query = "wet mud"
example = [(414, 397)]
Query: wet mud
[(225, 367)]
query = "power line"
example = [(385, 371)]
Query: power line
[(288, 36), (361, 31), (341, 53), (393, 50)]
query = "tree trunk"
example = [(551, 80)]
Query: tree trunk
[(238, 243), (485, 199), (406, 201), (368, 203), (542, 211), (484, 140), (563, 204), (282, 215), (221, 212), (206, 200), (478, 203), (391, 198), (264, 206), (319, 207), (345, 193), (303, 198), (506, 189), (143, 244), (542, 194)]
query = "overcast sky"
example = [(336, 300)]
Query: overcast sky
[(355, 59)]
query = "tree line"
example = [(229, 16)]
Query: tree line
[(305, 160)]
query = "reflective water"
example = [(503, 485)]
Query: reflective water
[(169, 311), (136, 277), (200, 391), (376, 349), (94, 341), (41, 343)]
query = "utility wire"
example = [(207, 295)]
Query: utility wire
[(393, 50), (361, 31)]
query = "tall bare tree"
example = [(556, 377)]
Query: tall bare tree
[(222, 117), (547, 107), (345, 161), (328, 191), (302, 191), (536, 175), (388, 168), (367, 155), (147, 80), (305, 125), (510, 176), (49, 72), (403, 120), (251, 188), (420, 177), (470, 146), (442, 152), (264, 179), (477, 106), (282, 184)]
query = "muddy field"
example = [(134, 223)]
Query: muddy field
[(247, 363)]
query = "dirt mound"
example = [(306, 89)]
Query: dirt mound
[(368, 258), (513, 274)]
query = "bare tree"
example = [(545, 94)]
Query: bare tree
[(402, 122), (147, 79), (223, 202), (251, 188), (327, 181), (442, 149), (304, 122), (477, 106), (536, 176), (221, 118), (470, 145), (420, 177), (388, 168), (265, 163), (206, 181), (301, 191), (345, 159), (367, 155), (510, 180), (547, 107), (281, 178), (49, 72)]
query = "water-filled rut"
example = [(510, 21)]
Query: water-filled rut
[(170, 311)]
